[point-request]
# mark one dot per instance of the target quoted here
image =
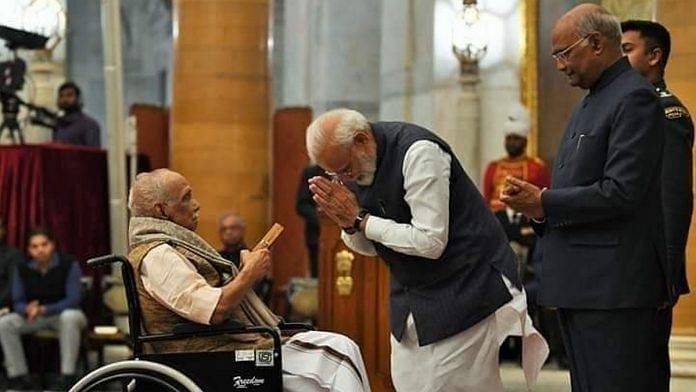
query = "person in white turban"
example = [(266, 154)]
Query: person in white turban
[(516, 163)]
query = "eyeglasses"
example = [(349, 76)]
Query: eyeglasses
[(340, 176), (564, 54), (346, 173)]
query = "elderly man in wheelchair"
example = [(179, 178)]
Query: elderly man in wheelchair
[(180, 278)]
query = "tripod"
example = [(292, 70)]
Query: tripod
[(10, 110)]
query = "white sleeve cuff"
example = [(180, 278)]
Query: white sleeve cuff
[(359, 243), (375, 227)]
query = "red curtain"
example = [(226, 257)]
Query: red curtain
[(64, 188)]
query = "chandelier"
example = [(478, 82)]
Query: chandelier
[(469, 43)]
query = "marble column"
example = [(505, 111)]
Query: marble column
[(221, 107)]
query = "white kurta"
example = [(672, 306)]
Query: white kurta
[(467, 361), (312, 361)]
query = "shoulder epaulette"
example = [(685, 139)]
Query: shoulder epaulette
[(674, 112)]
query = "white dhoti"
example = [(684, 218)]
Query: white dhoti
[(468, 361), (323, 361)]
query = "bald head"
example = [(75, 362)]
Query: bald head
[(578, 12), (586, 41), (587, 19), (164, 194), (149, 189)]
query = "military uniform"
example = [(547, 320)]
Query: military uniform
[(677, 195), (529, 169)]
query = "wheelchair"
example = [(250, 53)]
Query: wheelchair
[(246, 370)]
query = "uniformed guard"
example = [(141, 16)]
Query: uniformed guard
[(647, 45), (516, 163)]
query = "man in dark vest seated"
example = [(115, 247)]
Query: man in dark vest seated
[(45, 295), (181, 278), (455, 292)]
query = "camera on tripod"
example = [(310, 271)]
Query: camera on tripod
[(12, 80)]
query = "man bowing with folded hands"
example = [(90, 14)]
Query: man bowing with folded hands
[(455, 293)]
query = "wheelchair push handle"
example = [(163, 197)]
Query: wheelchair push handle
[(105, 260)]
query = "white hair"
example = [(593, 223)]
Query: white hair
[(601, 21), (318, 136), (148, 189)]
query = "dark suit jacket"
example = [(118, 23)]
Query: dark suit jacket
[(305, 205), (604, 244)]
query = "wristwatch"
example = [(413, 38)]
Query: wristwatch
[(357, 222)]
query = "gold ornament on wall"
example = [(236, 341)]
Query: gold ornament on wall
[(344, 268)]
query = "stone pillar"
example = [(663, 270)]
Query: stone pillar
[(466, 142), (220, 109)]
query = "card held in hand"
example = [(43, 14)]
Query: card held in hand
[(270, 237)]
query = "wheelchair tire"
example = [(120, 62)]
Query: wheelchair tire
[(155, 373)]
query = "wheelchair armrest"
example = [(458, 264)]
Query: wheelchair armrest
[(192, 328), (105, 260), (283, 326)]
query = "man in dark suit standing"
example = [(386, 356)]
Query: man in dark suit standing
[(605, 266), (647, 45), (307, 209)]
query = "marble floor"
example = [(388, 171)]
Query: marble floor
[(551, 379), (554, 380)]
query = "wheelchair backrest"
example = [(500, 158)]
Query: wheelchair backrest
[(134, 316)]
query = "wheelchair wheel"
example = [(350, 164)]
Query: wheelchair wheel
[(136, 375)]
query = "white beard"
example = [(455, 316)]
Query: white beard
[(366, 179), (369, 167)]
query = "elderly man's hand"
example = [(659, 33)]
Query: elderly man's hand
[(523, 197), (336, 200), (256, 264)]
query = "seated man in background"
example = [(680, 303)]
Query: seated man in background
[(45, 295), (232, 231), (180, 278)]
